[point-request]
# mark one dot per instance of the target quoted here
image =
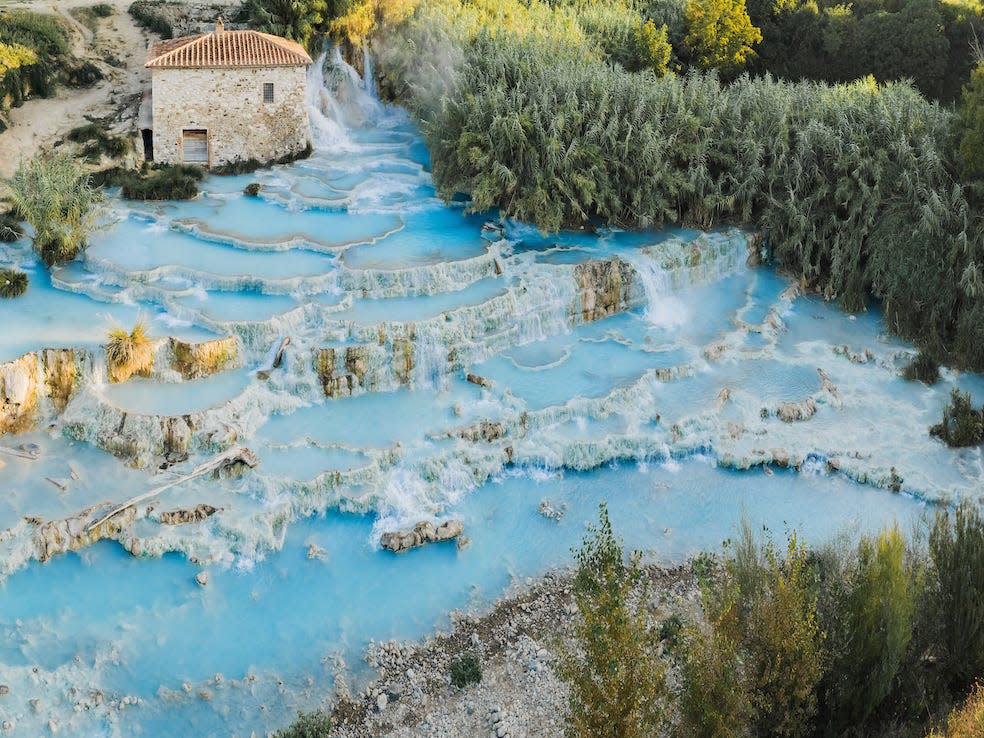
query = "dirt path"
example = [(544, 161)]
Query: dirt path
[(41, 122)]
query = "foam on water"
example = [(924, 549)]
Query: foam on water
[(668, 408)]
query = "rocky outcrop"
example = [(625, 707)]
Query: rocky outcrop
[(195, 360), (403, 360), (422, 533), (789, 412), (71, 534), (486, 430), (604, 288), (61, 374), (333, 382), (19, 394), (182, 517)]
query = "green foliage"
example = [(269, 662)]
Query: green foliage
[(308, 725), (55, 196), (161, 182), (13, 283), (923, 368), (248, 166), (720, 34), (956, 589), (147, 14), (81, 74), (46, 37), (297, 20), (962, 424), (102, 10), (616, 680), (869, 628), (966, 721), (98, 142), (466, 669), (10, 228), (970, 126), (713, 701), (252, 189)]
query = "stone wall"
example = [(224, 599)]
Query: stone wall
[(228, 103)]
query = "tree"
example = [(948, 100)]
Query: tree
[(956, 547), (617, 686), (871, 629), (357, 20), (298, 20), (720, 34), (970, 126), (55, 195)]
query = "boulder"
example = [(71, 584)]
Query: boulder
[(180, 517), (19, 394), (422, 533), (195, 360), (604, 288), (789, 412)]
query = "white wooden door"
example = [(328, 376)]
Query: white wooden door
[(194, 147)]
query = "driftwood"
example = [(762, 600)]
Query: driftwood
[(58, 483), (19, 453), (278, 359), (233, 455)]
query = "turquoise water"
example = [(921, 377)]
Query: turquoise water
[(666, 409)]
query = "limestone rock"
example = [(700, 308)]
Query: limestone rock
[(18, 394), (487, 430), (479, 380), (180, 517), (422, 533), (202, 578), (70, 534), (195, 360), (604, 288), (60, 373), (789, 412)]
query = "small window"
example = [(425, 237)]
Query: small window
[(268, 92)]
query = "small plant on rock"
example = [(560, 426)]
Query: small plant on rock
[(308, 725), (962, 424), (129, 353), (252, 189), (13, 283), (466, 669)]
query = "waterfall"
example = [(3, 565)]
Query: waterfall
[(339, 100), (663, 309), (369, 74), (430, 365)]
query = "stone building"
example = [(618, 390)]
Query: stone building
[(226, 96)]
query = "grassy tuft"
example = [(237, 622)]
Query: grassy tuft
[(252, 189), (129, 353), (10, 228), (924, 368), (162, 182), (148, 15), (13, 283), (962, 424)]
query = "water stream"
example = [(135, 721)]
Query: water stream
[(650, 369)]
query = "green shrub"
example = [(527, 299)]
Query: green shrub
[(869, 627), (163, 182), (147, 14), (962, 425), (252, 189), (956, 592), (713, 701), (466, 669), (923, 368), (102, 10), (248, 166), (615, 674), (82, 74), (56, 196), (10, 228), (308, 725), (129, 353), (13, 283), (98, 142), (670, 632)]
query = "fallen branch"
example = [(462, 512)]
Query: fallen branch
[(226, 458)]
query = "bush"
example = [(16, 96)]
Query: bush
[(966, 721), (923, 368), (466, 669), (252, 189), (308, 725), (163, 182), (102, 10), (13, 283), (248, 166), (956, 592), (962, 425), (615, 674), (129, 353), (56, 196), (147, 15), (99, 142), (82, 74), (10, 229)]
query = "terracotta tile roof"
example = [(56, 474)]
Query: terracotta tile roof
[(227, 49)]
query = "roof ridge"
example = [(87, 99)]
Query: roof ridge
[(243, 48)]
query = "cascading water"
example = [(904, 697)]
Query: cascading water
[(435, 370)]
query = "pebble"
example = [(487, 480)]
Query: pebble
[(381, 702), (4, 690), (202, 578)]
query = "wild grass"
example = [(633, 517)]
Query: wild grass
[(99, 142), (923, 368), (962, 424), (13, 283), (129, 353), (161, 182), (55, 195), (147, 14), (10, 228)]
